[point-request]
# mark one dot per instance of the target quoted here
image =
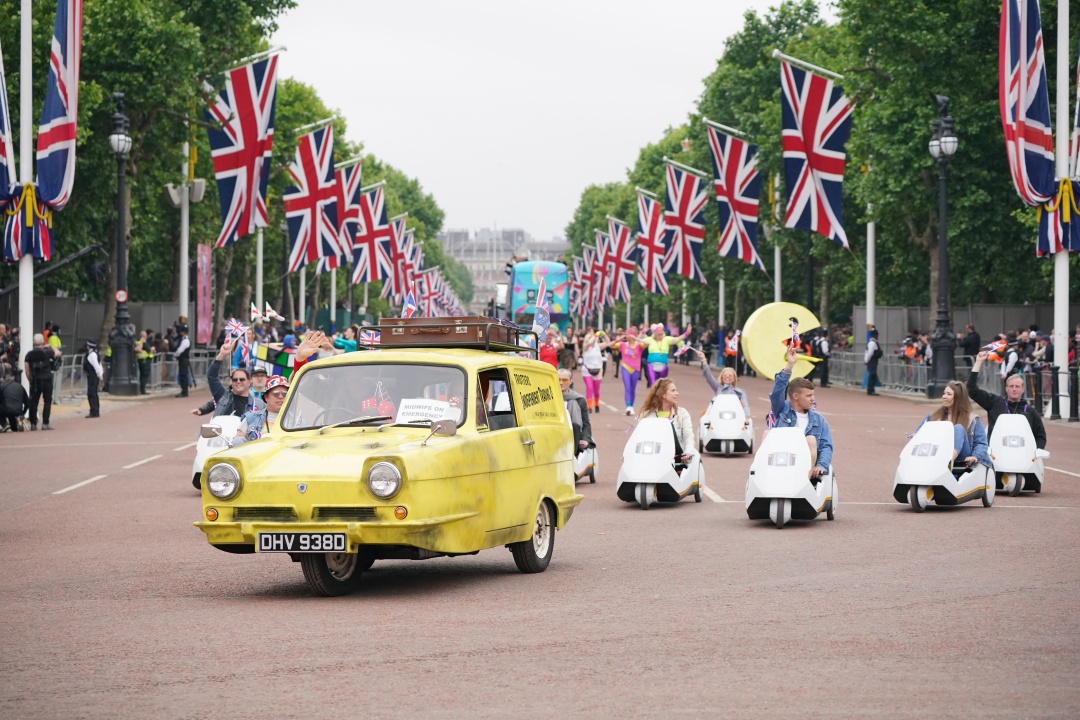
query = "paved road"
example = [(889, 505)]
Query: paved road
[(112, 605)]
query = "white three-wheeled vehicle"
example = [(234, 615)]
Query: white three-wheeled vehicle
[(215, 435), (1018, 463), (648, 474), (724, 428), (779, 487), (926, 472)]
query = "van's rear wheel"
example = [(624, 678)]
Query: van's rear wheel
[(332, 574), (534, 554)]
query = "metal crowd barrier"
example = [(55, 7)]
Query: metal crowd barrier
[(69, 382), (897, 374)]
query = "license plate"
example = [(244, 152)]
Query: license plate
[(302, 542)]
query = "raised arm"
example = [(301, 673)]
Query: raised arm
[(776, 397), (985, 399)]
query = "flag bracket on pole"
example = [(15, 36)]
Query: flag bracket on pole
[(725, 128), (686, 168), (807, 66)]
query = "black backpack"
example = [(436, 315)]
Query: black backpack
[(41, 368)]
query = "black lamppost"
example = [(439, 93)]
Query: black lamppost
[(122, 379), (942, 146)]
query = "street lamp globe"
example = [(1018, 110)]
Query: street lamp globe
[(120, 143), (949, 143), (935, 148)]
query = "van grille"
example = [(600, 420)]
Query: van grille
[(354, 514), (273, 514)]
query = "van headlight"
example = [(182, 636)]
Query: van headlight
[(223, 481), (384, 480)]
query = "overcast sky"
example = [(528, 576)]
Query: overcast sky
[(505, 111)]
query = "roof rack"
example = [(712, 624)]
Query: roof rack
[(468, 332)]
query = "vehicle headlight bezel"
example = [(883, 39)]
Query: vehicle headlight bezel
[(227, 482), (384, 480)]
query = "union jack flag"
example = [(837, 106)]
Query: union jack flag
[(347, 194), (311, 205), (395, 283), (428, 289), (588, 299), (817, 121), (623, 254), (738, 185), (240, 150), (1025, 103), (650, 236), (8, 175), (576, 270), (413, 261), (408, 308), (684, 223), (370, 337), (373, 240), (235, 328), (541, 308), (29, 229), (601, 278)]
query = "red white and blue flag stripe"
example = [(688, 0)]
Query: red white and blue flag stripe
[(29, 229), (684, 223), (241, 149), (394, 285), (1025, 101), (408, 308), (372, 242), (347, 193), (588, 297), (817, 121), (369, 337), (623, 256), (650, 237), (738, 187), (8, 175), (601, 270), (311, 204)]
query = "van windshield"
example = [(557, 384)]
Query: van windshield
[(403, 393)]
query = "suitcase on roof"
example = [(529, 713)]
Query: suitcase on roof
[(468, 331)]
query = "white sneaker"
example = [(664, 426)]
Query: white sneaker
[(629, 410)]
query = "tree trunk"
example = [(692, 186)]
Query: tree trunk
[(823, 314), (221, 285)]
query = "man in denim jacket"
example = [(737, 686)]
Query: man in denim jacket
[(796, 410)]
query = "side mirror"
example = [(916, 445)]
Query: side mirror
[(444, 428), (210, 431)]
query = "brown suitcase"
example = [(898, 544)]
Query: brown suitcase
[(468, 330)]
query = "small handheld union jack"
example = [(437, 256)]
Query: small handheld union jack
[(235, 328), (408, 308), (683, 350), (370, 337)]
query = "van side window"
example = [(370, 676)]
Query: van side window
[(498, 401)]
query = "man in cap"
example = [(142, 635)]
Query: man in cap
[(258, 381), (259, 422), (93, 371)]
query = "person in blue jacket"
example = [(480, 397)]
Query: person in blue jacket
[(793, 406), (969, 436)]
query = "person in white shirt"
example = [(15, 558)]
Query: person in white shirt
[(93, 372), (873, 355)]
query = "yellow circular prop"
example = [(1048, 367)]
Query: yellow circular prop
[(765, 333)]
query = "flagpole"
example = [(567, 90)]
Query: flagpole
[(259, 271), (807, 66), (372, 186), (26, 176), (185, 231), (871, 266), (777, 260), (643, 191), (1061, 258), (686, 168), (725, 128), (257, 56), (316, 124), (303, 296), (722, 313), (333, 299)]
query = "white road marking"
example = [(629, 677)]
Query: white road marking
[(612, 408), (79, 485), (92, 444), (1066, 472), (185, 447), (141, 462), (712, 495), (1029, 507)]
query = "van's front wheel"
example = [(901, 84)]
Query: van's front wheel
[(331, 574)]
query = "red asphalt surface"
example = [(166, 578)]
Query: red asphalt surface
[(113, 606)]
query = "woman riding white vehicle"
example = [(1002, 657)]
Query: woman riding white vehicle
[(721, 429)]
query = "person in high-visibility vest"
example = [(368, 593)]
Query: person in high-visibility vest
[(143, 355), (731, 350)]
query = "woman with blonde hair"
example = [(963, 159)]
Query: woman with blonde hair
[(728, 384), (663, 402), (969, 437)]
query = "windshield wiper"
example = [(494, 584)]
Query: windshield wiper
[(361, 420)]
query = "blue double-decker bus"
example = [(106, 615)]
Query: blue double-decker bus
[(521, 292)]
